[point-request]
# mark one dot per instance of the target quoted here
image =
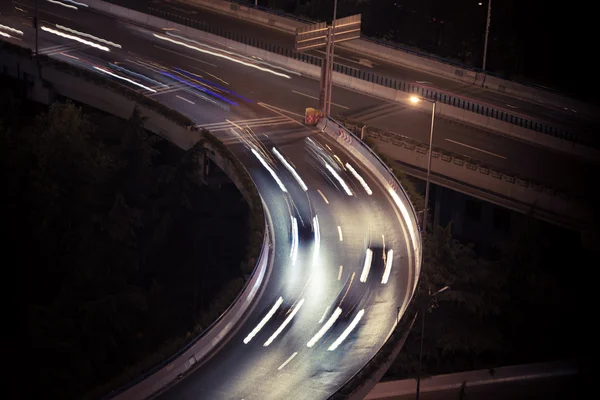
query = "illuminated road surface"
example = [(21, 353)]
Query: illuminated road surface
[(341, 261)]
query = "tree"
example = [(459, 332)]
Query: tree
[(463, 323)]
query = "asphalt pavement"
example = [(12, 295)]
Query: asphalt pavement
[(306, 349), (571, 120), (295, 93)]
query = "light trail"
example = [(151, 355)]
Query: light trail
[(336, 314), (366, 266), (360, 179), (291, 169), (347, 331), (339, 179), (87, 35), (75, 38), (63, 4), (125, 79), (340, 233), (388, 267), (294, 252), (285, 323), (13, 30), (287, 361), (221, 56), (264, 321), (273, 174)]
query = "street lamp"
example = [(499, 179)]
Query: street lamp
[(330, 72), (431, 297), (487, 32), (415, 100)]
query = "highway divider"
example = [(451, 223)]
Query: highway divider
[(400, 55), (451, 107), (46, 78)]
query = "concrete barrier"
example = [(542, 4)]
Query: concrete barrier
[(398, 56), (548, 203), (359, 85), (46, 79)]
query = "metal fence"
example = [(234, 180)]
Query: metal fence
[(397, 84)]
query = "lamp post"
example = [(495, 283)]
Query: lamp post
[(415, 100), (330, 66), (487, 32), (431, 297)]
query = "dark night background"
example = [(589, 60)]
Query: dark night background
[(547, 43)]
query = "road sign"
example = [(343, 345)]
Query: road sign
[(312, 37)]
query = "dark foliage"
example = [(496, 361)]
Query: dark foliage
[(114, 253)]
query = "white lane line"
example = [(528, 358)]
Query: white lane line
[(475, 148), (340, 233), (323, 196), (316, 98), (324, 314), (184, 99), (183, 55), (347, 331), (287, 361), (340, 273)]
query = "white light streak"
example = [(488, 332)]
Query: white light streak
[(388, 267), (264, 321), (75, 38), (13, 30), (287, 361), (324, 314), (222, 56), (125, 79), (63, 4), (336, 314), (339, 179), (317, 238), (294, 252), (291, 169), (340, 272), (273, 174), (76, 3), (87, 35), (411, 228), (340, 233), (5, 35), (347, 331), (367, 266), (285, 323), (360, 179)]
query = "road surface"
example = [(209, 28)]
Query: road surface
[(341, 261), (526, 160), (571, 120)]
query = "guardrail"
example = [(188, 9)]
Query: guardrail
[(551, 204), (359, 385), (310, 66), (480, 108)]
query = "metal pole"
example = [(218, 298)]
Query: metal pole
[(35, 22), (428, 169), (362, 132), (421, 353), (330, 83), (324, 76), (487, 32)]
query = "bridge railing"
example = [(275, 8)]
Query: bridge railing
[(464, 103)]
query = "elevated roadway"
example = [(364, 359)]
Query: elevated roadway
[(574, 120), (342, 263)]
